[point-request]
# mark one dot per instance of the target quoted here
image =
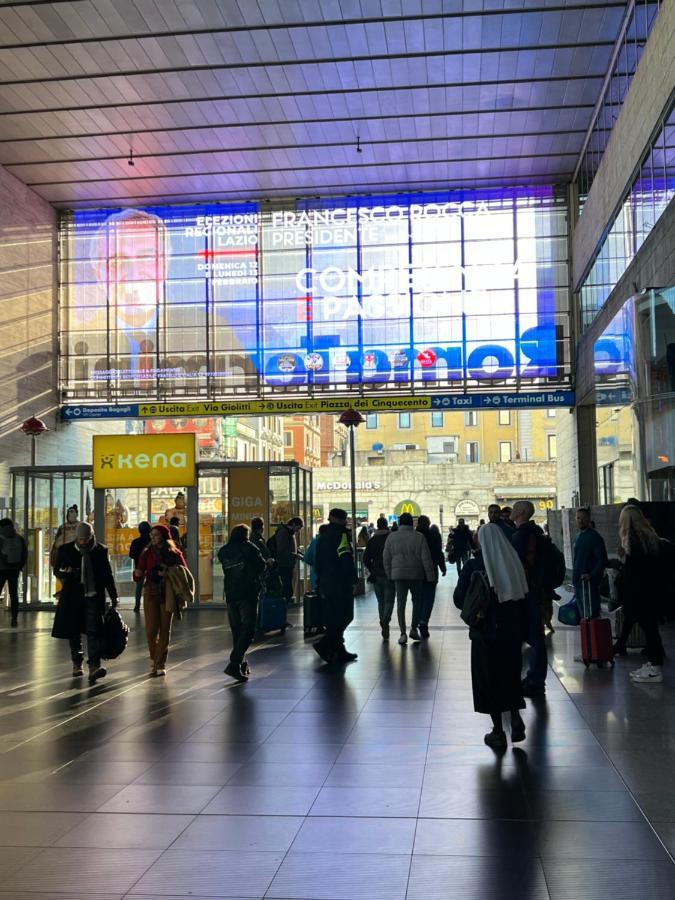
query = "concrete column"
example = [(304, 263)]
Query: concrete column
[(587, 455)]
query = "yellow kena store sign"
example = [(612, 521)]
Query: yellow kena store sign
[(144, 460)]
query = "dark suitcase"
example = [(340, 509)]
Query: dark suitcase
[(596, 634), (271, 614), (312, 616)]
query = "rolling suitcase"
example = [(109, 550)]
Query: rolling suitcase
[(271, 614), (596, 634), (312, 618)]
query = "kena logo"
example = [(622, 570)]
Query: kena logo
[(144, 461)]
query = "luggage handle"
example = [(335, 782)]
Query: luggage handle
[(586, 599)]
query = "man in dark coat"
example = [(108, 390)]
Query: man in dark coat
[(13, 556), (385, 591), (285, 552), (336, 574), (244, 572), (461, 543), (83, 566)]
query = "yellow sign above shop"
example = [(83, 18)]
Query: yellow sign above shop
[(246, 495), (283, 406), (144, 460)]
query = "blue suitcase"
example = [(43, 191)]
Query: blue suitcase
[(271, 614)]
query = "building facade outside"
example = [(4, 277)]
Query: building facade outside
[(302, 440)]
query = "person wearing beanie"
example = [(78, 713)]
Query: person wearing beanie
[(155, 560), (337, 578), (138, 545), (83, 567)]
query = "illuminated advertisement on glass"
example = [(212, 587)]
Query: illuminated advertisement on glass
[(448, 291)]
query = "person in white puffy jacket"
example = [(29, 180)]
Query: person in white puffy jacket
[(407, 562)]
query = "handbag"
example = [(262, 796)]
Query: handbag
[(568, 613)]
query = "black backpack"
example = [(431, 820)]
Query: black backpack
[(272, 544), (551, 563), (477, 601), (114, 635)]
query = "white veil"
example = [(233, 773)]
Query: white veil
[(503, 566)]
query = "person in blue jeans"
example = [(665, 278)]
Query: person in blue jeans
[(527, 540)]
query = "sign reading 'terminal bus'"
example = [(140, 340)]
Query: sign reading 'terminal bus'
[(144, 460)]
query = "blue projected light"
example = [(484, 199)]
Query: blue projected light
[(442, 290)]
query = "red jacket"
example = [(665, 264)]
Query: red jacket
[(149, 559)]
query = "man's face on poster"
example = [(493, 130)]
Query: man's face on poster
[(132, 258)]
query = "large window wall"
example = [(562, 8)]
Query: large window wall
[(645, 201), (453, 290)]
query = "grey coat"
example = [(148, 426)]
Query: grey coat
[(407, 557)]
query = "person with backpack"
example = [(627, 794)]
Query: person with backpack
[(138, 545), (493, 582), (337, 579), (244, 573), (435, 542), (283, 545), (383, 586), (13, 556), (83, 567), (527, 540)]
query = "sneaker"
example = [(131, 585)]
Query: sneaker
[(643, 668), (385, 632), (321, 650), (78, 671), (245, 669), (648, 675), (424, 631), (160, 673), (345, 656), (235, 672), (415, 635), (403, 640), (96, 673)]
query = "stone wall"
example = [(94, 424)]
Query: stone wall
[(28, 333), (435, 486)]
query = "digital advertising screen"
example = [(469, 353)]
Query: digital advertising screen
[(444, 291)]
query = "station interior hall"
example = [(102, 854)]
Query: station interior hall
[(337, 449)]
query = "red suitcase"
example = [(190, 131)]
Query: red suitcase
[(596, 634)]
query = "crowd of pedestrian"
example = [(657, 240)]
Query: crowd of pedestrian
[(508, 572)]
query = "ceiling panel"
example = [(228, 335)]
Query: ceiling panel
[(233, 99)]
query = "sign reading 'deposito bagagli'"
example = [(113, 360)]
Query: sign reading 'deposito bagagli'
[(144, 460), (298, 405)]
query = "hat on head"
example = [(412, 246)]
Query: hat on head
[(84, 530)]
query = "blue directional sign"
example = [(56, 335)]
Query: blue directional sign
[(526, 400), (109, 411)]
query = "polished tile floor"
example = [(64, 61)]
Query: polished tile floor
[(370, 782)]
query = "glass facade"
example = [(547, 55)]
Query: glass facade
[(630, 52), (644, 203), (455, 290), (635, 400)]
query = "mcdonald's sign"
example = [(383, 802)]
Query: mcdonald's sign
[(407, 506)]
